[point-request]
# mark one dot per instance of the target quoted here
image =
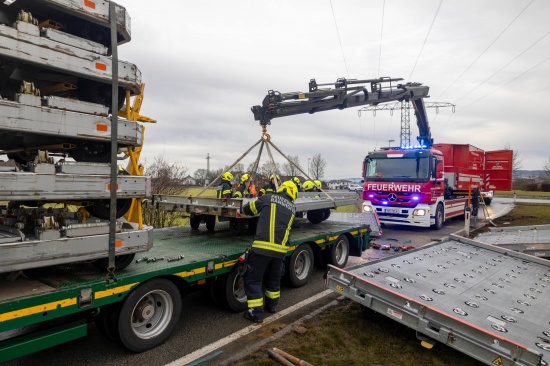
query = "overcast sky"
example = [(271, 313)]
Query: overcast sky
[(205, 63)]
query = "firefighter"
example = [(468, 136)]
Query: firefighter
[(270, 187), (243, 190), (265, 262), (318, 185), (296, 180), (308, 186), (225, 190)]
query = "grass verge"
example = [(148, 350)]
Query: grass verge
[(341, 335)]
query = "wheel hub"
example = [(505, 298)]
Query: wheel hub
[(145, 311)]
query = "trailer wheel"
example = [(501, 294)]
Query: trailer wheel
[(102, 210), (438, 217), (327, 214), (316, 216), (149, 315), (210, 221), (91, 151), (106, 322), (121, 262), (339, 252), (228, 291), (194, 221), (300, 265), (23, 157)]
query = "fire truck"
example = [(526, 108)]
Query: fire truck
[(421, 185)]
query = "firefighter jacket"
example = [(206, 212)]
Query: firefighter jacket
[(268, 188), (225, 191), (242, 192), (276, 215)]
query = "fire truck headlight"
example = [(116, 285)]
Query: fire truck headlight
[(419, 212), (367, 208), (416, 198), (371, 195)]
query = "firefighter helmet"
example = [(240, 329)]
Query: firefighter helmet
[(227, 176), (308, 185), (245, 177), (275, 176), (289, 188), (318, 184), (296, 181)]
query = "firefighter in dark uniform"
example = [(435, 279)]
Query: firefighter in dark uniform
[(265, 262), (225, 191), (298, 184), (243, 190), (270, 187)]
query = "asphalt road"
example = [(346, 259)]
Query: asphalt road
[(202, 322)]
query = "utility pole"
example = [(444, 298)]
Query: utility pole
[(405, 107), (207, 169)]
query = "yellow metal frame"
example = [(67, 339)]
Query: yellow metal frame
[(134, 168)]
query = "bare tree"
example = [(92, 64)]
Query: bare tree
[(166, 178), (517, 163), (317, 167), (200, 175), (291, 169), (267, 168)]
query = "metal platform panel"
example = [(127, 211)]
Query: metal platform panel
[(24, 117), (532, 240), (69, 39), (23, 186), (232, 207), (18, 256), (489, 303), (25, 44), (74, 105), (360, 218)]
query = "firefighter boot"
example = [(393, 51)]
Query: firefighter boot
[(249, 314)]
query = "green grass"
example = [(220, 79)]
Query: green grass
[(522, 193), (343, 336)]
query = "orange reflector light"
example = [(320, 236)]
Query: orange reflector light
[(201, 282), (109, 187), (100, 66), (102, 127), (89, 4), (118, 243)]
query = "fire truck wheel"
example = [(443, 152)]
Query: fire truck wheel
[(228, 291), (438, 217), (487, 201), (91, 152), (194, 221), (316, 216), (121, 262), (210, 221), (300, 265), (339, 252), (101, 208), (149, 315)]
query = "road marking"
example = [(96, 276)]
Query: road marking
[(193, 356)]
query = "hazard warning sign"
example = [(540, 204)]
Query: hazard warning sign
[(498, 361)]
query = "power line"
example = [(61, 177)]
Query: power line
[(381, 33), (339, 40), (425, 39), (482, 53)]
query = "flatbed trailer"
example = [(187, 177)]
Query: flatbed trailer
[(485, 301), (53, 305), (532, 240)]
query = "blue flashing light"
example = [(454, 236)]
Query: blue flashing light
[(371, 195), (416, 198), (385, 202)]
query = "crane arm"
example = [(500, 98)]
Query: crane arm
[(343, 94)]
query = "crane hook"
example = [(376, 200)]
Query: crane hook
[(265, 135)]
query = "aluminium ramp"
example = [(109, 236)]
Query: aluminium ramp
[(533, 240), (487, 302)]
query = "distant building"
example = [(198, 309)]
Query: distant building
[(338, 184), (189, 181)]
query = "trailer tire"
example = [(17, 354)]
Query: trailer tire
[(316, 216), (338, 253), (101, 208), (121, 262), (194, 221), (438, 217), (300, 265), (228, 291), (210, 221), (23, 157), (149, 315), (106, 322), (91, 151)]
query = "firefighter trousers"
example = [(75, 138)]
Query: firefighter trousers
[(266, 271)]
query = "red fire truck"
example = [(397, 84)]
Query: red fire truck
[(420, 186)]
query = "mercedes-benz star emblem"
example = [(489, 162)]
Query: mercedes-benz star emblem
[(392, 197)]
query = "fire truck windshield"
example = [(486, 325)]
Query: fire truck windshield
[(382, 168)]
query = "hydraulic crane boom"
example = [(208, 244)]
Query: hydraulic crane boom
[(346, 93)]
